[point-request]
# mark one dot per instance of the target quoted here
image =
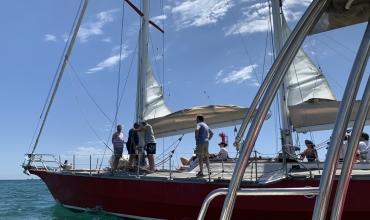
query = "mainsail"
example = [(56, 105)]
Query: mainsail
[(305, 80), (153, 99)]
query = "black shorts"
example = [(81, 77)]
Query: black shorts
[(130, 148), (151, 148)]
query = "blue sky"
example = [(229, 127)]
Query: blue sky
[(205, 62)]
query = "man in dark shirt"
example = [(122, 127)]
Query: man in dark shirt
[(133, 141)]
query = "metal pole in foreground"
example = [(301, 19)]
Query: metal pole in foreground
[(359, 66), (256, 192), (340, 128), (278, 71), (60, 164)]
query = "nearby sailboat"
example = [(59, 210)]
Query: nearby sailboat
[(179, 195)]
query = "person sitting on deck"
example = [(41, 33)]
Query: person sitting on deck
[(192, 162), (310, 153), (364, 144), (223, 154)]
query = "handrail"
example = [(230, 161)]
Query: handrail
[(340, 195), (256, 192), (299, 162), (340, 127), (277, 71)]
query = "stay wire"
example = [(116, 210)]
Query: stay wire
[(119, 64), (83, 112), (56, 73), (245, 47), (70, 64)]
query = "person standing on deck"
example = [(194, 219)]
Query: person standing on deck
[(149, 143), (132, 142), (118, 143), (203, 134)]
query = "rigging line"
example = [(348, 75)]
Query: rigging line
[(264, 57), (128, 74), (70, 64), (162, 13), (156, 64), (199, 87), (174, 142), (56, 73), (83, 112), (309, 37), (245, 47), (120, 63)]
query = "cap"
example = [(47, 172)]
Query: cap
[(222, 143), (365, 135), (308, 142), (136, 124), (143, 121)]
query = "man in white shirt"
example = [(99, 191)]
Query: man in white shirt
[(364, 144)]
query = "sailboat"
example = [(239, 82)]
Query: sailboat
[(179, 195)]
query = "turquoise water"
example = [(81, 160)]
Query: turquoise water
[(31, 199)]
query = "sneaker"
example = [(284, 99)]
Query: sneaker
[(199, 174)]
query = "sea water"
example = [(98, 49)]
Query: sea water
[(31, 199)]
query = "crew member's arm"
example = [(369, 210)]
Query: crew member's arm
[(210, 134), (196, 133), (316, 155), (113, 137)]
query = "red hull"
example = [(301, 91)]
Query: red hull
[(182, 200)]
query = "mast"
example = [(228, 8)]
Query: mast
[(286, 130), (143, 60), (69, 51)]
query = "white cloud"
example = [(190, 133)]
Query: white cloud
[(256, 17), (218, 74), (49, 37), (95, 28), (199, 12), (107, 39), (158, 19), (112, 60), (239, 75)]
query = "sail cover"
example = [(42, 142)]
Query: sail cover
[(305, 80), (309, 117), (183, 121), (154, 103)]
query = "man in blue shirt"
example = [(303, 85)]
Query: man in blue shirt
[(203, 134), (133, 141)]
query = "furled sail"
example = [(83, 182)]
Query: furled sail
[(305, 80), (183, 121), (309, 117)]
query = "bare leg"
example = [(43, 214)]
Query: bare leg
[(184, 161), (207, 163), (115, 163), (130, 161), (151, 162), (200, 156)]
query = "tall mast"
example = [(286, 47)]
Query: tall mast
[(286, 130), (143, 60)]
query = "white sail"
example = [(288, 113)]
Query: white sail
[(305, 80), (154, 105)]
